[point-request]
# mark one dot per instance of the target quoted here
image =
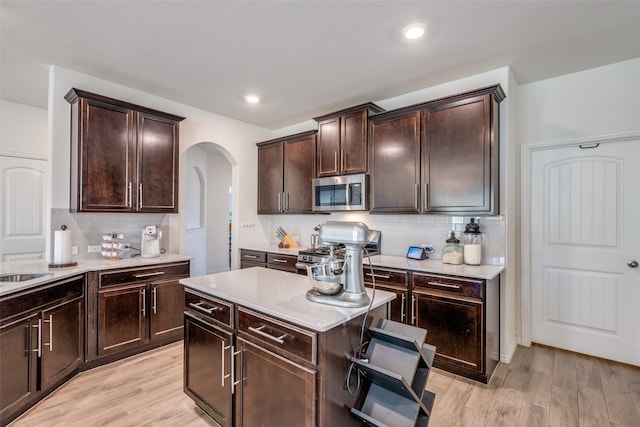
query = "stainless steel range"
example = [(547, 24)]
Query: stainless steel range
[(321, 254)]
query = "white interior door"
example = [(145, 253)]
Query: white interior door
[(22, 215), (585, 239)]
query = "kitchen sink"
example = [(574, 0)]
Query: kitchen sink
[(5, 279)]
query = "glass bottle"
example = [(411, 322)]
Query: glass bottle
[(472, 244), (452, 253)]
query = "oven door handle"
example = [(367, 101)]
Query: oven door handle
[(301, 266)]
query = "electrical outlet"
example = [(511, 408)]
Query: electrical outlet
[(126, 245), (428, 248), (295, 238), (74, 250), (94, 248)]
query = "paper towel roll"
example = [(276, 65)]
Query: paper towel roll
[(62, 247)]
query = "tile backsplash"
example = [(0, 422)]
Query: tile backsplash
[(401, 231), (88, 229)]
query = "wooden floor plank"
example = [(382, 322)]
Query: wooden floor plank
[(540, 387)]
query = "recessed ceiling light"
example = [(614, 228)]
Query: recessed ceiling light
[(252, 99), (414, 31)]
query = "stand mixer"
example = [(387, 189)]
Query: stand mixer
[(336, 281)]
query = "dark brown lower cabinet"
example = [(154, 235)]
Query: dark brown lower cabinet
[(461, 316), (274, 391), (62, 341), (391, 280), (138, 309), (455, 325), (205, 368), (122, 321), (41, 342), (18, 364)]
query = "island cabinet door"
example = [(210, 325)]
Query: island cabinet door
[(207, 368), (273, 391)]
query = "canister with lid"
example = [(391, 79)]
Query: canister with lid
[(453, 252), (473, 243)]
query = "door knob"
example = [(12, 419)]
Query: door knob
[(633, 263)]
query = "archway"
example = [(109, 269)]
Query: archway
[(208, 208)]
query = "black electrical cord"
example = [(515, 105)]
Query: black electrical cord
[(360, 354)]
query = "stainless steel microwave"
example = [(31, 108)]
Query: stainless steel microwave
[(341, 193)]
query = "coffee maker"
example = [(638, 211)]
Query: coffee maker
[(150, 246)]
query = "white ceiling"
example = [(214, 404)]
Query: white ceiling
[(304, 58)]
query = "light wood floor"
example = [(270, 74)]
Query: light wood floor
[(540, 387)]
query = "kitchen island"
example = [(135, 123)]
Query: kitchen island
[(257, 352)]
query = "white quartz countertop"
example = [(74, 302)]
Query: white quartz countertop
[(435, 266), (279, 294), (82, 267)]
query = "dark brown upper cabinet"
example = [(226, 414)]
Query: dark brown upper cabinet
[(124, 157), (342, 140), (394, 162), (439, 157), (286, 168), (460, 164)]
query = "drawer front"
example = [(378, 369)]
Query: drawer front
[(133, 275), (209, 307), (245, 264), (452, 285), (282, 262), (33, 299), (253, 256), (386, 276), (282, 338)]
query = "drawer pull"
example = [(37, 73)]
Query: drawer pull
[(279, 340), (199, 306), (379, 276), (444, 285), (249, 256), (157, 273), (284, 261)]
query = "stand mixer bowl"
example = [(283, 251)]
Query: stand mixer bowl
[(327, 277)]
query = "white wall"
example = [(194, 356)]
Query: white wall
[(218, 183), (236, 139), (601, 100), (23, 129)]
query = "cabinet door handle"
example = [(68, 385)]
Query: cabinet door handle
[(402, 313), (416, 196), (157, 273), (50, 343), (154, 296), (144, 301), (279, 340), (129, 195), (140, 196), (379, 276), (414, 303), (222, 350), (342, 157), (39, 326), (286, 201), (234, 383), (444, 285), (198, 306), (279, 201), (426, 197), (335, 161)]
